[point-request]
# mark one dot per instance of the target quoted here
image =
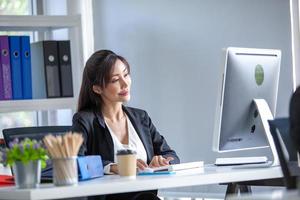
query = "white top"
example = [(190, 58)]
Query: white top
[(134, 143)]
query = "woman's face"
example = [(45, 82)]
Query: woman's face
[(118, 87)]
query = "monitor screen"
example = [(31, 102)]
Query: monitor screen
[(248, 74)]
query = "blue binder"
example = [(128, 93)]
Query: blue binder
[(26, 67), (15, 62)]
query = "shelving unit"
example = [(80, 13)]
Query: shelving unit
[(38, 22), (38, 104), (46, 25)]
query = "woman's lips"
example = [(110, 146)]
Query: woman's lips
[(123, 93)]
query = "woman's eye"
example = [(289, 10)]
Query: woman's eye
[(114, 80), (126, 75)]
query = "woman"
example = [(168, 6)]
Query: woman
[(295, 118), (108, 126)]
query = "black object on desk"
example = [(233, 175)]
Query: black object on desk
[(290, 168), (281, 135)]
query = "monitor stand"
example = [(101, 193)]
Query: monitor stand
[(265, 115)]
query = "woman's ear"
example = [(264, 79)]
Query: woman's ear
[(97, 89)]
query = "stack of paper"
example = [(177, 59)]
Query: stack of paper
[(173, 168)]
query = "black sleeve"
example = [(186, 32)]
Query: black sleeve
[(79, 126), (295, 118), (160, 145), (83, 123)]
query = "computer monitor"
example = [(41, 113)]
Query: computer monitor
[(247, 100)]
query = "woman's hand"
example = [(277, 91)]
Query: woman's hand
[(114, 168), (158, 161), (141, 165)]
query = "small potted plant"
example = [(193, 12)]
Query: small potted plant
[(26, 157)]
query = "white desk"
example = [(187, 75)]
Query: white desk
[(275, 195), (114, 184)]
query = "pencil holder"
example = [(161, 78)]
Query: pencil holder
[(65, 171)]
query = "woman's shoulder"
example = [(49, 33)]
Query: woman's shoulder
[(295, 102), (85, 115), (136, 111)]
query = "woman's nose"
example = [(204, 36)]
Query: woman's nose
[(124, 82)]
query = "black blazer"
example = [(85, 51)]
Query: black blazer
[(98, 141)]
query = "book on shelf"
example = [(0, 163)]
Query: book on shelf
[(5, 71)]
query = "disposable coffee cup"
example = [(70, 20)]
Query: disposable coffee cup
[(126, 160)]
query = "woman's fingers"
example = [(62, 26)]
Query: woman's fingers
[(165, 161), (160, 161), (141, 164), (154, 162), (168, 159)]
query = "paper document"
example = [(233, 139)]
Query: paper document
[(175, 167)]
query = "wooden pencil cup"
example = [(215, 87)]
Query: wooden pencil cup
[(65, 171)]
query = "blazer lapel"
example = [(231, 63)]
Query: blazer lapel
[(106, 133), (137, 124)]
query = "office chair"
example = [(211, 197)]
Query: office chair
[(36, 133), (281, 135)]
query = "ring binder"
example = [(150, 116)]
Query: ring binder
[(5, 70), (45, 70), (26, 67), (65, 68), (15, 62)]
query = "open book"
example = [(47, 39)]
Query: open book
[(175, 167)]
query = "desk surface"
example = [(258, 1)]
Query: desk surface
[(110, 184)]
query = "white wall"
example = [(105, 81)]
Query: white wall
[(295, 8), (174, 48)]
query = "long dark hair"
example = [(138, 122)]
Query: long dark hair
[(97, 71)]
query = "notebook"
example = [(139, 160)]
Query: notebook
[(172, 168)]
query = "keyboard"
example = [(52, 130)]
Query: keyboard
[(175, 167), (241, 160)]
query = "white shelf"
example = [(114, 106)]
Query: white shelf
[(37, 22), (38, 104), (45, 25)]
